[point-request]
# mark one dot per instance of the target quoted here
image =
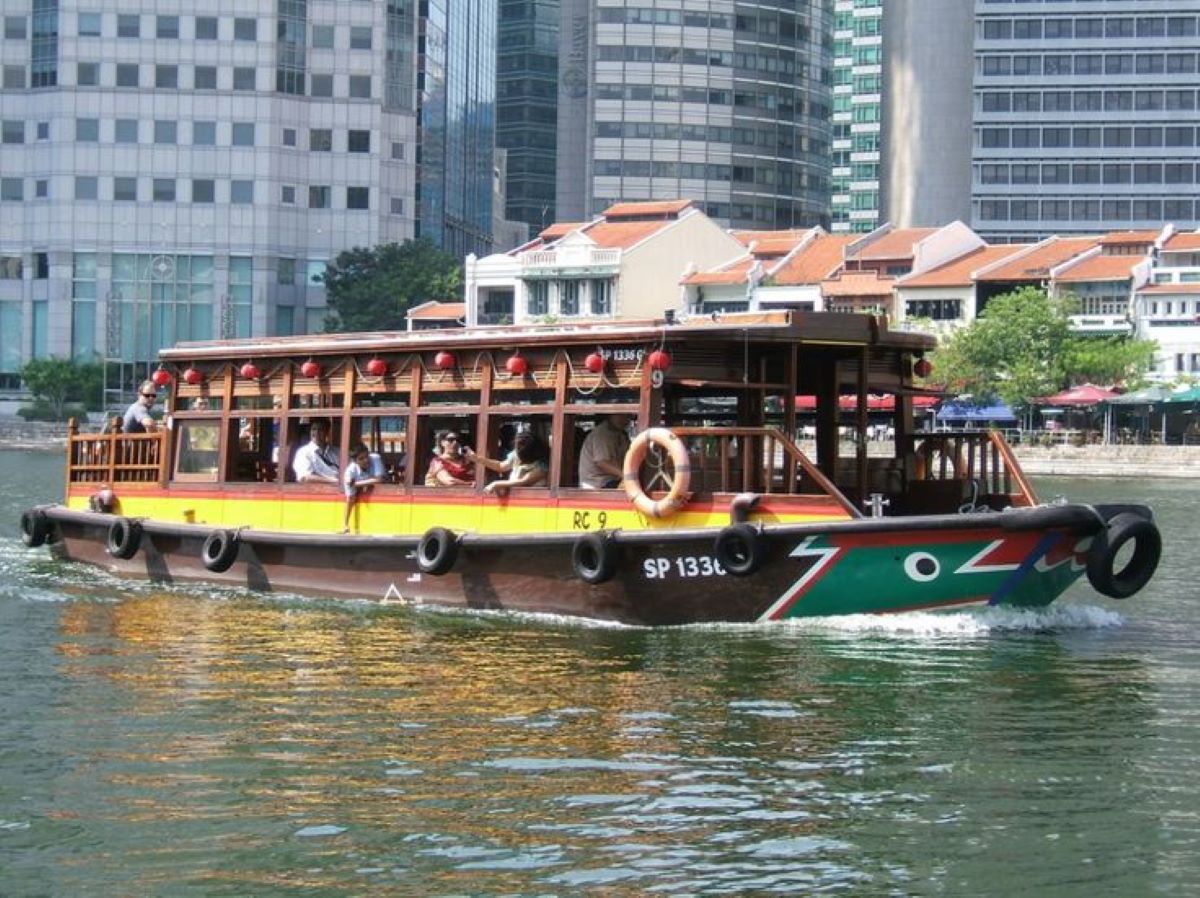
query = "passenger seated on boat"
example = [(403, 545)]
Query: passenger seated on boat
[(316, 461), (137, 417), (526, 465), (363, 472), (603, 455), (450, 466)]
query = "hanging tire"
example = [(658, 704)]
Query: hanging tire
[(1102, 570), (740, 549), (594, 558), (220, 550), (35, 528), (437, 551), (124, 538)]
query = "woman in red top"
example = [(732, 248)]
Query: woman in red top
[(449, 466)]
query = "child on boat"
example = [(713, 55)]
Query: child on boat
[(361, 474)]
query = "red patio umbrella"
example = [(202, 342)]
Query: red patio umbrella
[(1078, 397)]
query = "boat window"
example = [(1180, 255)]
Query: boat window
[(198, 399), (523, 397), (381, 400), (253, 403), (443, 398), (198, 449), (386, 435), (297, 435), (502, 441), (253, 449), (435, 452), (324, 400)]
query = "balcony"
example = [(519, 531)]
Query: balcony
[(570, 261), (1100, 324)]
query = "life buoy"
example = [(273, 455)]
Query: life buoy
[(219, 551), (437, 551), (35, 527), (124, 537), (678, 495), (594, 558), (953, 452), (740, 549), (1136, 573)]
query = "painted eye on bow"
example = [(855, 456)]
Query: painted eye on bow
[(922, 567)]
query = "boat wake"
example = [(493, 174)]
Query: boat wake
[(971, 622)]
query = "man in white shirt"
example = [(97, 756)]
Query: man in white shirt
[(603, 455), (316, 462)]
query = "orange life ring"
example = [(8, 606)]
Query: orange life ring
[(952, 449), (678, 495)]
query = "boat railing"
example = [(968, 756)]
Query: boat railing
[(752, 459), (981, 460), (115, 457)]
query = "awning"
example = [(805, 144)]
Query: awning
[(1083, 396), (964, 411)]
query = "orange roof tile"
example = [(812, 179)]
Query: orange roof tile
[(959, 272), (560, 229), (733, 273), (1122, 238), (858, 283), (1100, 268), (897, 244), (439, 310), (817, 261), (1175, 289), (748, 237), (623, 234), (654, 207), (1183, 242), (1036, 264)]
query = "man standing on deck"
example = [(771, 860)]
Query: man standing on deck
[(137, 417), (603, 454), (316, 462)]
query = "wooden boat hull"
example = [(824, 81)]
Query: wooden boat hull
[(1022, 558)]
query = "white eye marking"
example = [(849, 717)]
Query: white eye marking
[(922, 567)]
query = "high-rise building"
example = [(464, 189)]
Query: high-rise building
[(1085, 116), (456, 97), (527, 106), (726, 103), (857, 114)]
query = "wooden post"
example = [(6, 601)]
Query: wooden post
[(860, 424), (483, 424), (225, 441), (72, 433), (791, 372), (412, 437), (565, 442), (283, 425), (350, 386), (827, 414)]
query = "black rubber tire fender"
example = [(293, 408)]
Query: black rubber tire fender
[(740, 549), (35, 527), (124, 538), (594, 558), (220, 550), (1136, 573), (437, 551)]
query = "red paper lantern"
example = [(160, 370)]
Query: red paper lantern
[(250, 371), (161, 377), (658, 360), (594, 362), (444, 360), (923, 368), (517, 365), (193, 377), (310, 369), (377, 367)]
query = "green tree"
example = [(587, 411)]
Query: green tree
[(1022, 347), (372, 289), (57, 382)]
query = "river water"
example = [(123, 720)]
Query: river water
[(190, 742)]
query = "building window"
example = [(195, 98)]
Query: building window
[(320, 140), (243, 134), (358, 141), (12, 132), (321, 85), (204, 134), (43, 130), (289, 137), (203, 190), (165, 132), (568, 297), (204, 77), (241, 296), (166, 27), (86, 187), (245, 29), (129, 25), (125, 190), (243, 78), (397, 150), (14, 28), (206, 28), (41, 188), (166, 76), (241, 192), (164, 190), (601, 291), (322, 37), (12, 190), (87, 130), (358, 198), (287, 195), (360, 37), (127, 74), (360, 87), (318, 197), (397, 205), (159, 300), (14, 77), (87, 74), (285, 272)]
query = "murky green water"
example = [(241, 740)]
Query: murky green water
[(184, 743)]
